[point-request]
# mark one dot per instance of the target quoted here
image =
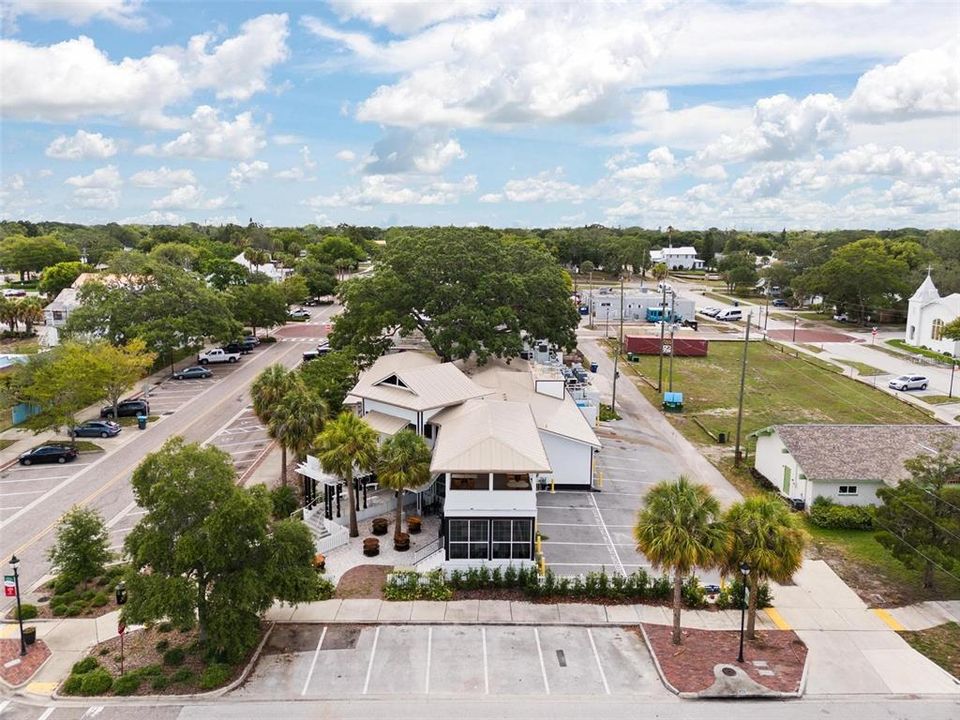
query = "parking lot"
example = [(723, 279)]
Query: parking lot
[(244, 439), (20, 485), (350, 660)]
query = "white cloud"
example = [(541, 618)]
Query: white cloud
[(99, 190), (425, 150), (410, 15), (926, 82), (82, 146), (491, 198), (302, 171), (105, 177), (74, 78), (212, 138), (898, 162), (396, 190), (660, 164), (163, 177), (188, 197), (287, 139), (245, 173), (346, 156), (154, 217), (685, 128), (547, 186), (125, 13)]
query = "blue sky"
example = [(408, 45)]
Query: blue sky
[(694, 114)]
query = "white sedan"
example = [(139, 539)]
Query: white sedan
[(909, 382)]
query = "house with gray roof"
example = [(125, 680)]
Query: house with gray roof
[(845, 463)]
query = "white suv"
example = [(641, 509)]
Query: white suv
[(909, 382)]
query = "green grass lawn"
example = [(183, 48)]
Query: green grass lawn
[(780, 388), (811, 348), (863, 368), (910, 349), (941, 644), (870, 569), (727, 299), (28, 346), (939, 399)]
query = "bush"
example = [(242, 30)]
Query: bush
[(88, 595), (215, 676), (267, 339), (284, 500), (165, 627), (148, 671), (411, 585), (127, 684), (27, 612), (100, 599), (96, 682), (162, 646), (84, 666), (730, 597), (325, 588), (182, 675), (174, 656), (693, 594), (76, 608), (58, 610), (63, 585), (159, 683), (661, 589), (73, 685), (68, 597), (825, 513)]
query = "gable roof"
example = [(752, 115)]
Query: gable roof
[(927, 291), (862, 452), (481, 436), (385, 424), (428, 382)]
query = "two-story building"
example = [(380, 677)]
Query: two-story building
[(677, 258)]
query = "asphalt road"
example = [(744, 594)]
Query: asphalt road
[(103, 481)]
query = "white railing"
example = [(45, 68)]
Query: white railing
[(337, 534), (426, 551)]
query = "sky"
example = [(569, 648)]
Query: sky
[(747, 115)]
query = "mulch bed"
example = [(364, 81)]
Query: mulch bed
[(363, 581), (689, 667), (28, 665)]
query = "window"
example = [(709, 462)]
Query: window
[(58, 314), (848, 490), (469, 481), (511, 481), (428, 431), (936, 333), (468, 539), (511, 539), (393, 380)]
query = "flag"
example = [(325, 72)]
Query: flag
[(9, 586)]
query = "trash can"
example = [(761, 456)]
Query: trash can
[(721, 437), (29, 635), (593, 367), (736, 303), (142, 422), (633, 357)]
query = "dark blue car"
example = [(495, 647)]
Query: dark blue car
[(96, 428)]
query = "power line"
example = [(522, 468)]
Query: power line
[(917, 551), (931, 520)]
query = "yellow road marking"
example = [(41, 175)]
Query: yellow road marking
[(889, 619), (777, 619), (9, 631), (41, 688)]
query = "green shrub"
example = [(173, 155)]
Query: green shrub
[(88, 595), (96, 682), (165, 627), (215, 676), (731, 594), (104, 651), (76, 608), (661, 589), (100, 599), (325, 588), (58, 610), (162, 646), (159, 683), (102, 580), (174, 656), (284, 500), (267, 339), (693, 594), (63, 585), (71, 596), (825, 513), (182, 675), (150, 671), (411, 585), (84, 666), (73, 685), (127, 684), (27, 612)]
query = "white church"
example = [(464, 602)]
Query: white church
[(927, 315)]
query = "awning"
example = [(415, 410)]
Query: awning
[(386, 424)]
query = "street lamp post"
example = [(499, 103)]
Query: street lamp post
[(795, 318), (15, 564), (745, 571)]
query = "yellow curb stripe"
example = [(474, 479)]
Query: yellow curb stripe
[(8, 631), (41, 688), (777, 619), (889, 619)]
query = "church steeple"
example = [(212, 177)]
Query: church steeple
[(927, 291)]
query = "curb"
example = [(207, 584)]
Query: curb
[(15, 688), (656, 664)]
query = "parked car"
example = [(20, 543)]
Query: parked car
[(298, 314), (96, 428), (710, 311), (238, 347), (780, 302), (841, 317), (909, 382), (251, 340), (218, 355), (322, 349), (127, 408), (14, 292), (730, 314), (194, 372), (49, 454)]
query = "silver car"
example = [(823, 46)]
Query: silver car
[(909, 382)]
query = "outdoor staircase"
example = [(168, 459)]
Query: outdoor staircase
[(327, 534), (314, 521)]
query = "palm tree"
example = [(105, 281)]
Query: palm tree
[(659, 272), (347, 442), (256, 257), (679, 529), (766, 536), (30, 313), (267, 390), (295, 422), (404, 464)]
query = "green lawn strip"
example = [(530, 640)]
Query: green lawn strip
[(132, 421), (863, 368), (726, 299), (811, 348), (26, 346), (939, 399), (911, 350), (780, 389), (940, 643), (5, 443)]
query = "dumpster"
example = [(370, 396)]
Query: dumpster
[(593, 367), (142, 422), (673, 401), (29, 635), (633, 357)]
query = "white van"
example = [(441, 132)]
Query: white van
[(731, 314)]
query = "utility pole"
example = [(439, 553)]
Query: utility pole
[(743, 378), (673, 324), (953, 369), (663, 310), (766, 316), (616, 357), (591, 299)]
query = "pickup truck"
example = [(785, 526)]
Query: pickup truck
[(217, 355)]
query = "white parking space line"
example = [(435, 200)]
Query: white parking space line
[(426, 688), (486, 671), (122, 530), (40, 479), (25, 492), (542, 524), (241, 442), (46, 713), (223, 428), (313, 664), (543, 668), (596, 655), (92, 712), (556, 542), (12, 507), (3, 705), (606, 534), (373, 654), (116, 518)]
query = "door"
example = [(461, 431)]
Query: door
[(786, 481)]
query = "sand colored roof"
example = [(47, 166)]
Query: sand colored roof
[(483, 436), (383, 423), (416, 381), (862, 452), (515, 384)]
